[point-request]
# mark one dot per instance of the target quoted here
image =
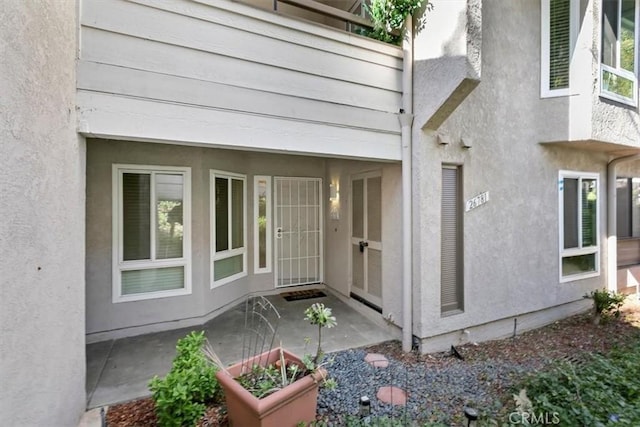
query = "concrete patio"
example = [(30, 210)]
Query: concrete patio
[(119, 370)]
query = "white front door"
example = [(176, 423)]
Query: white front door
[(298, 231), (366, 237)]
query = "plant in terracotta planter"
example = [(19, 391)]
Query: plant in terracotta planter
[(275, 388)]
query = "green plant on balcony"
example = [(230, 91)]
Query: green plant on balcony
[(389, 16)]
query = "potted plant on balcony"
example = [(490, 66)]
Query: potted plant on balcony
[(276, 388)]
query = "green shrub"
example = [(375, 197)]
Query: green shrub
[(181, 396), (603, 391), (389, 16), (606, 303)]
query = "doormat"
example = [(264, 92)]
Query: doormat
[(298, 295)]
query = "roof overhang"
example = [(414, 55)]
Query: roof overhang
[(610, 148)]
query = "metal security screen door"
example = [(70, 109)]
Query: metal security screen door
[(366, 236), (298, 231)]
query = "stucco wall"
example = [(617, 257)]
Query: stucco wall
[(611, 121), (511, 249), (106, 319), (105, 316), (628, 169), (338, 232), (42, 352)]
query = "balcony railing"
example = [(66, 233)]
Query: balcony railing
[(351, 20)]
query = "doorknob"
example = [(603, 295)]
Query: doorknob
[(363, 245)]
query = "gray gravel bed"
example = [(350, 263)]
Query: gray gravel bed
[(433, 393)]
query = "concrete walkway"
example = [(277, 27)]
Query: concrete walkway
[(119, 370)]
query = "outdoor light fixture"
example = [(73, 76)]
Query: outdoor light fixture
[(334, 194), (334, 201), (471, 415), (444, 139), (365, 407)]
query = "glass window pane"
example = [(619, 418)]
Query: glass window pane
[(623, 220), (358, 267), (559, 43), (374, 209), (136, 216), (261, 189), (589, 211), (222, 214), (627, 35), (357, 220), (617, 84), (570, 205), (152, 280), (635, 207), (610, 32), (578, 264), (223, 268), (169, 216), (237, 213)]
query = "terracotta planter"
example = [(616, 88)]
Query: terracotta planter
[(284, 408)]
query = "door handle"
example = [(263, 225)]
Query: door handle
[(363, 245)]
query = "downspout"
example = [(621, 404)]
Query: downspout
[(406, 121), (612, 234)]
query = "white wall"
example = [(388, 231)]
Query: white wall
[(42, 346), (224, 74)]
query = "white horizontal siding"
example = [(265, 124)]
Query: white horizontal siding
[(141, 54), (267, 23), (320, 90), (128, 118), (163, 87), (237, 42)]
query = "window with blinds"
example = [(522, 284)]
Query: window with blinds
[(628, 207), (228, 195), (579, 225), (151, 224), (451, 265), (618, 51), (559, 31)]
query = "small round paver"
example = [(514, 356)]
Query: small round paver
[(376, 360), (392, 395)]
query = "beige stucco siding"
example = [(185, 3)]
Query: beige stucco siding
[(42, 324), (511, 244)]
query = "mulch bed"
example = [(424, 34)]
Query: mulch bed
[(568, 338), (140, 413)]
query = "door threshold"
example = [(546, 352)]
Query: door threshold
[(365, 302)]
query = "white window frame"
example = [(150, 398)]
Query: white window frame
[(256, 237), (626, 74), (118, 263), (216, 256), (545, 39), (579, 250)]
